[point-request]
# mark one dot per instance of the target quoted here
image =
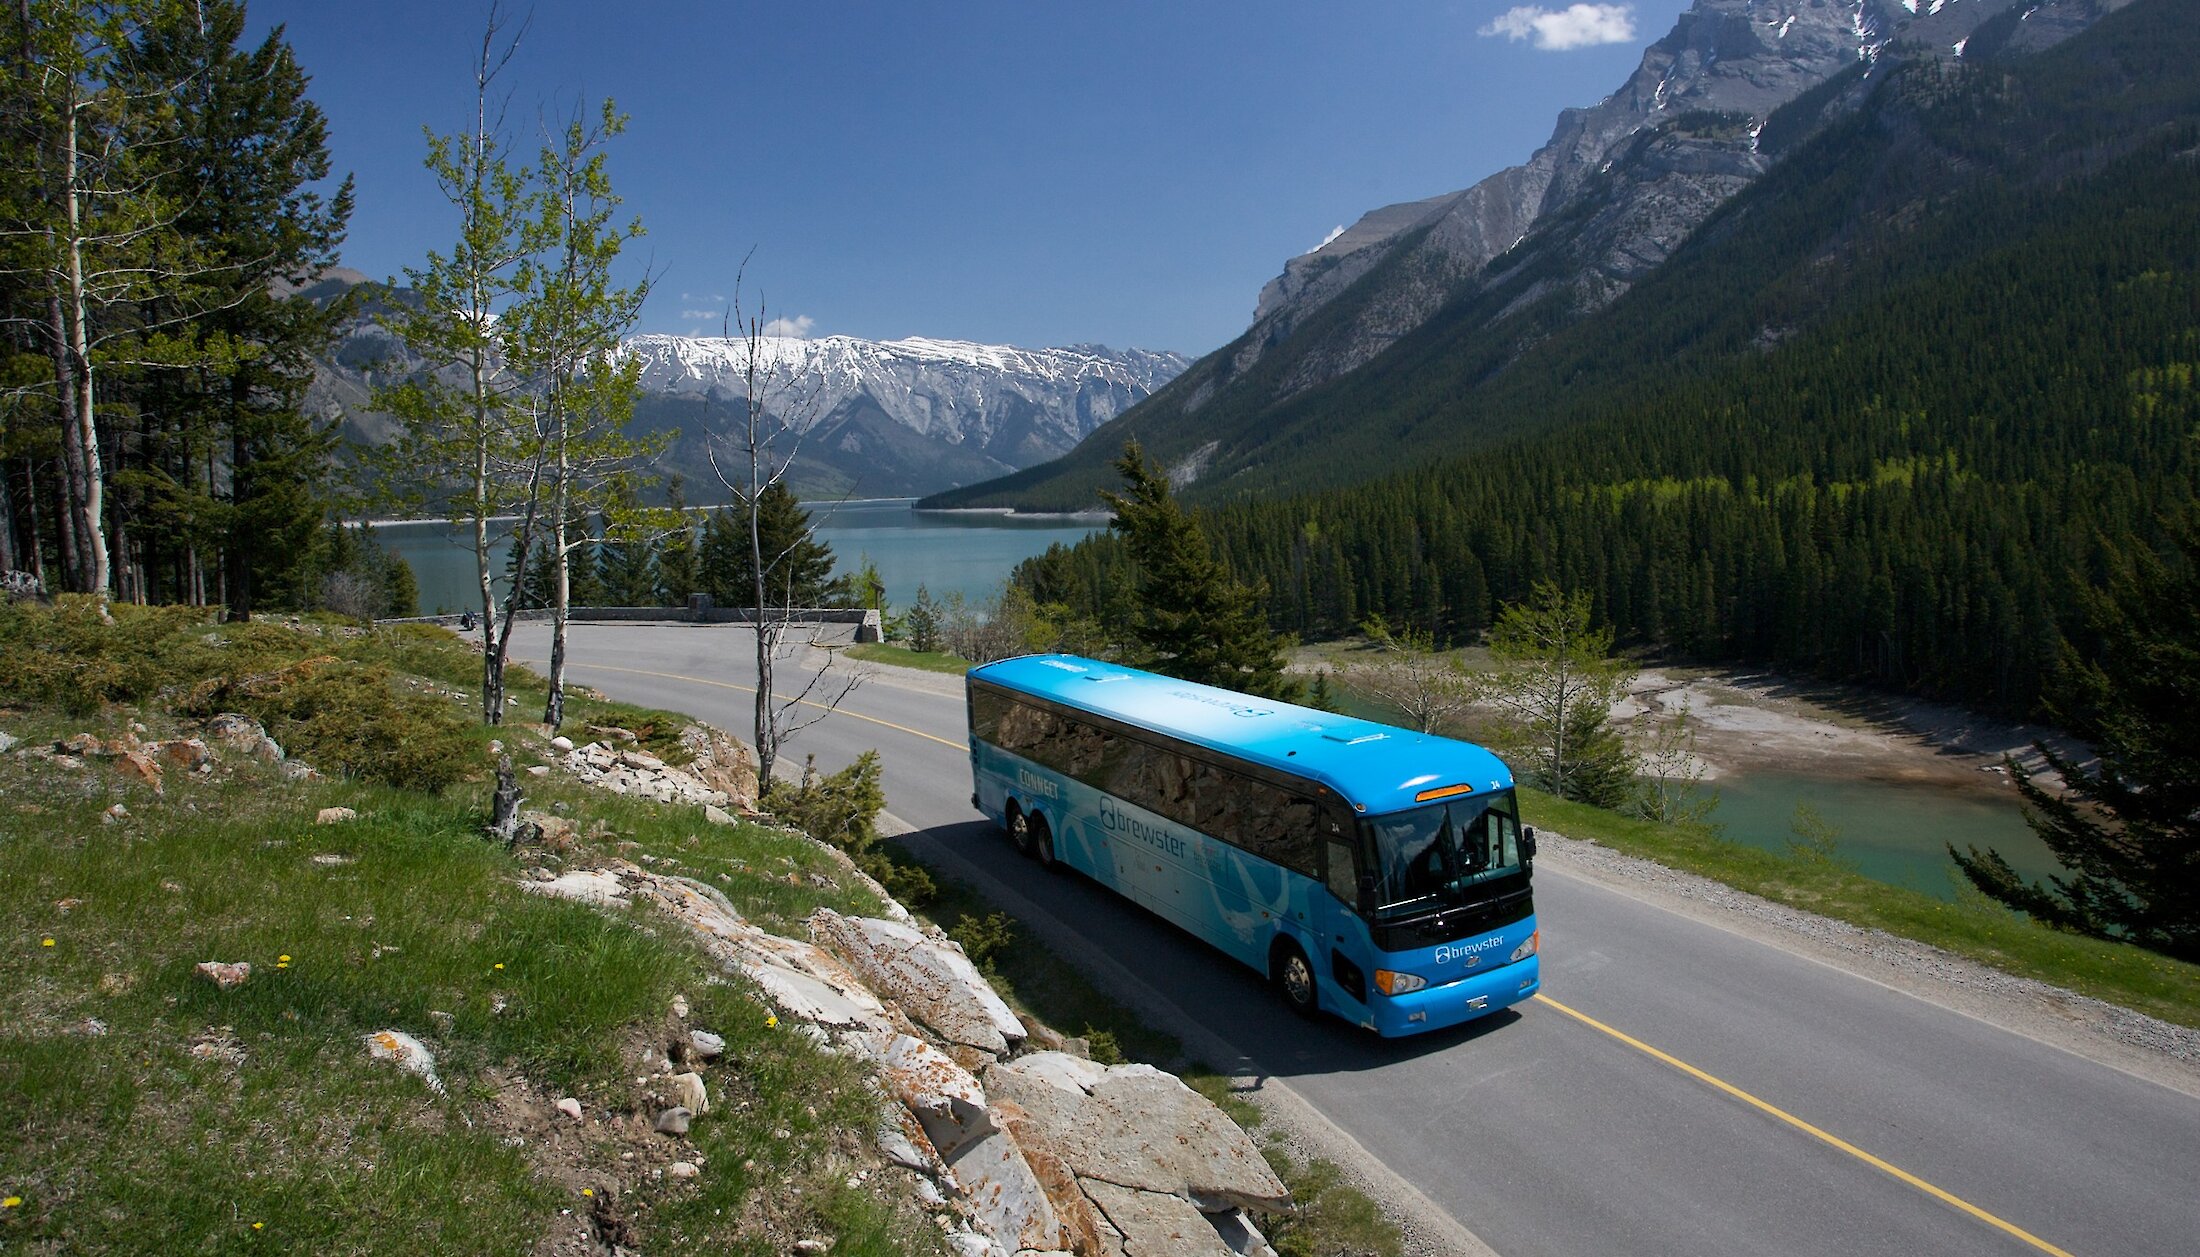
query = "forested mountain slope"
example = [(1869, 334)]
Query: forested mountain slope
[(1881, 417), (1483, 275)]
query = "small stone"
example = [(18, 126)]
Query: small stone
[(137, 764), (188, 754), (561, 744), (682, 1169), (717, 815), (689, 1090), (443, 1020), (92, 1027), (674, 1121), (7, 742), (224, 975), (538, 770), (813, 1246), (115, 813), (292, 770), (407, 1053), (570, 1107), (334, 816), (496, 746), (680, 1007), (705, 1046), (331, 861), (82, 744)]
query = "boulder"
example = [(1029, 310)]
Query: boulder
[(334, 816), (1141, 1128), (1155, 1224), (722, 763), (1081, 1229), (931, 979), (945, 1098)]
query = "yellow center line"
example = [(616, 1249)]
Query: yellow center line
[(1814, 1132), (750, 689)]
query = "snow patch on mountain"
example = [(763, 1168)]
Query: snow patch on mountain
[(954, 390)]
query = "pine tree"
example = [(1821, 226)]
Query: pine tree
[(798, 568), (1193, 620), (2128, 831), (247, 149)]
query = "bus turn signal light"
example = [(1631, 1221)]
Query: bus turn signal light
[(1443, 792), (1390, 983)]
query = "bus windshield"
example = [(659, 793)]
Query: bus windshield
[(1438, 854)]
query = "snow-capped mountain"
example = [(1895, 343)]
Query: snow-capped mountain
[(1015, 407), (870, 418)]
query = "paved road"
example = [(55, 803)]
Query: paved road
[(1681, 1089)]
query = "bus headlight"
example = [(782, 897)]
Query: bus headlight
[(1527, 948), (1398, 983)]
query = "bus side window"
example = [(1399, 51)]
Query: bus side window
[(1344, 880)]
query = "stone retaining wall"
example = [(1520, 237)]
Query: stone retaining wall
[(698, 611)]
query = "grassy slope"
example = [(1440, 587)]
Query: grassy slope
[(118, 1138), (1972, 926)]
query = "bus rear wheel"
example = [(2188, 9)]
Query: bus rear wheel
[(1042, 842), (1295, 980), (1019, 828)]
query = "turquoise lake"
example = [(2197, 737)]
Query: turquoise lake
[(1894, 831)]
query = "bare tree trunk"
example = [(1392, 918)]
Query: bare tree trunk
[(7, 522), (87, 509), (561, 573)]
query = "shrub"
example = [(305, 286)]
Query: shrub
[(842, 811), (66, 655), (348, 718)]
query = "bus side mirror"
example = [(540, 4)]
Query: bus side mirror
[(1527, 842)]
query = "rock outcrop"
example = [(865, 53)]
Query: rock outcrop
[(1043, 1153)]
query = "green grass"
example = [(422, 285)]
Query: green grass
[(117, 1138), (902, 657), (1972, 926)]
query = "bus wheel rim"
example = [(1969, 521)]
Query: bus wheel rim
[(1298, 979)]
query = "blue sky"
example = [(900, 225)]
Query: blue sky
[(1029, 172)]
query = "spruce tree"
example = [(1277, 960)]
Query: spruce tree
[(2128, 830), (677, 572), (798, 568), (1193, 620)]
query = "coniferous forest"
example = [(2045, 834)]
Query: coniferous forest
[(1884, 418)]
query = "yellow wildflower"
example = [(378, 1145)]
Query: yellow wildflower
[(282, 959), (588, 1191), (500, 964), (770, 1020), (257, 1225), (12, 1202), (45, 942)]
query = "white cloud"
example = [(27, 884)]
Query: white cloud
[(699, 314), (798, 327), (1334, 232), (1561, 30)]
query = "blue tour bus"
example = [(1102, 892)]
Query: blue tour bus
[(1377, 873)]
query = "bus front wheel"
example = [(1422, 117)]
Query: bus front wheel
[(1042, 842), (1295, 980), (1019, 828)]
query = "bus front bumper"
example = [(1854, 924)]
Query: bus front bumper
[(1436, 1007)]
